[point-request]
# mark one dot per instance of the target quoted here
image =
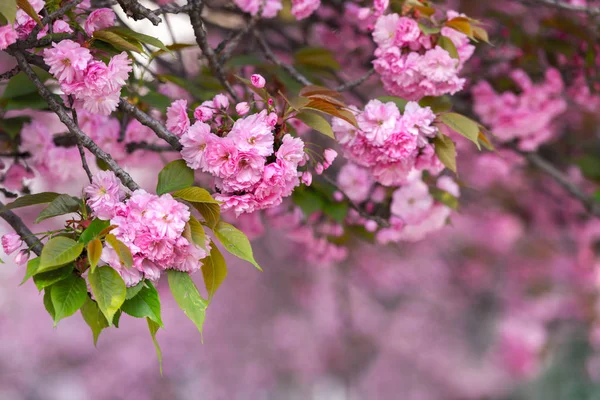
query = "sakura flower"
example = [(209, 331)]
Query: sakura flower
[(8, 36), (67, 60), (100, 18), (178, 121), (258, 81), (11, 242), (378, 121), (104, 193)]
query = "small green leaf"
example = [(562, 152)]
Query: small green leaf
[(48, 301), (197, 232), (122, 250), (308, 200), (63, 204), (447, 44), (46, 279), (235, 242), (20, 86), (429, 30), (59, 251), (336, 210), (32, 199), (445, 151), (214, 271), (8, 8), (32, 267), (316, 57), (462, 125), (68, 295), (187, 297), (108, 289), (140, 37), (93, 317), (444, 197), (203, 202), (118, 41), (145, 304), (132, 291), (174, 176), (153, 328), (13, 126), (94, 251), (93, 230), (316, 122)]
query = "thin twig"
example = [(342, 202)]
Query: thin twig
[(62, 114), (593, 11), (195, 14), (9, 74), (273, 58), (131, 147), (151, 123), (352, 84), (133, 9), (21, 229)]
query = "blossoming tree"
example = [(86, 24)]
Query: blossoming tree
[(241, 127)]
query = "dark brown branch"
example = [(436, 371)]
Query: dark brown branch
[(355, 83), (62, 114), (21, 229), (195, 14), (151, 123), (9, 74), (136, 11), (131, 147)]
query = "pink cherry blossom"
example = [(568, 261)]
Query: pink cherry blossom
[(67, 60), (178, 121), (11, 243), (100, 18)]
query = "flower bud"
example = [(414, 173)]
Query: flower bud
[(242, 108), (258, 81), (22, 257), (11, 242)]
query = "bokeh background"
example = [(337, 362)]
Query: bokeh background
[(502, 303)]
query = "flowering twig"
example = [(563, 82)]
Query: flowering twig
[(62, 114), (226, 47), (355, 83), (195, 14), (21, 229), (151, 123)]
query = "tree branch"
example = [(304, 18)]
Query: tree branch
[(136, 11), (274, 59), (355, 83), (21, 229), (592, 11), (62, 114)]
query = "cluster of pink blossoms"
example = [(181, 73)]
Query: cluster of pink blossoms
[(527, 117), (249, 174), (151, 226), (12, 242), (388, 144), (411, 63), (301, 9)]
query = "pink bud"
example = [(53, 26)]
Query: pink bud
[(11, 242), (272, 119), (329, 155), (270, 102), (242, 108), (22, 257), (371, 226), (338, 196), (221, 101), (203, 113), (307, 178), (258, 81), (319, 168)]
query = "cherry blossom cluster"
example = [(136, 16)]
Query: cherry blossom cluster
[(301, 9), (412, 64), (390, 145), (530, 116), (151, 226)]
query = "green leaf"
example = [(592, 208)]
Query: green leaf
[(59, 251), (134, 290), (235, 242), (48, 301), (447, 44), (13, 126), (49, 278), (203, 202), (462, 125), (316, 57), (68, 295), (140, 37), (108, 289), (308, 200), (118, 41), (401, 103), (93, 229), (437, 104), (93, 317), (187, 297), (214, 271), (32, 267), (597, 196), (8, 8), (316, 122), (63, 204), (197, 232), (174, 176), (20, 85), (117, 318), (336, 210), (121, 248), (94, 251), (444, 197), (445, 151), (156, 100), (145, 304), (153, 328), (32, 199), (25, 6), (429, 30)]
